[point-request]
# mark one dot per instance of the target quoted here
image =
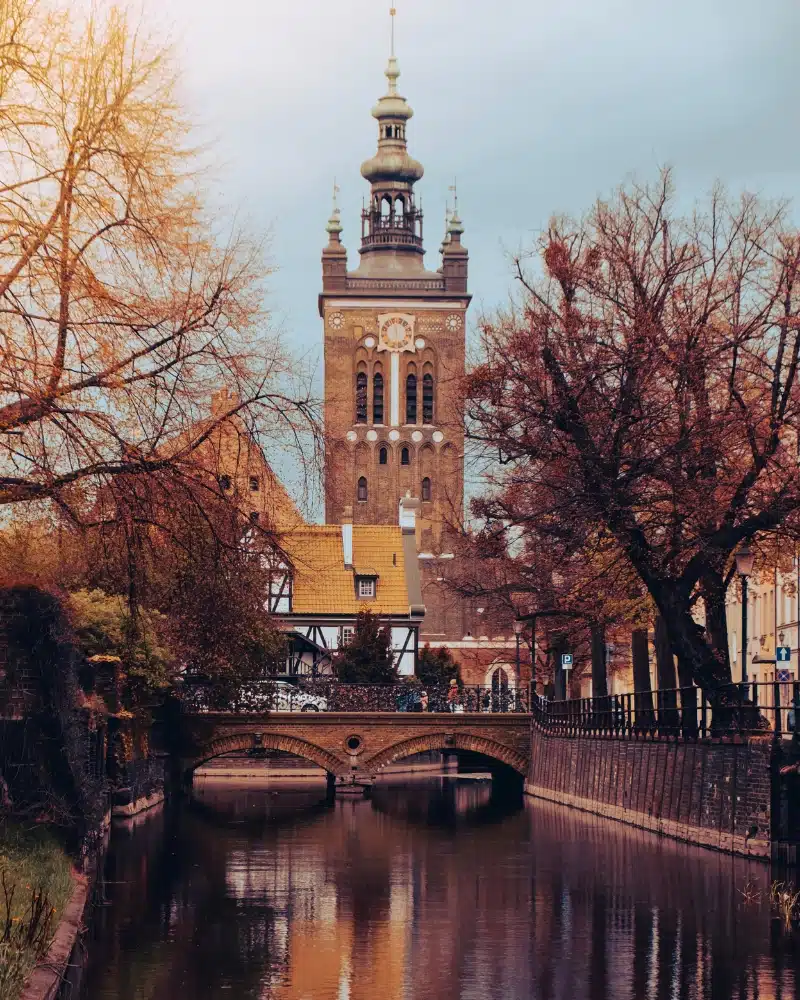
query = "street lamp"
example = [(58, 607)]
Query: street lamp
[(744, 567), (518, 630)]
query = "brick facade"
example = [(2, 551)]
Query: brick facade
[(711, 793), (433, 449)]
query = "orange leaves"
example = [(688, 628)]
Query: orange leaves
[(125, 305)]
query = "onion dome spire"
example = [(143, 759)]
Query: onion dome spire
[(392, 222)]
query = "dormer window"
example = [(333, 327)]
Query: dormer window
[(225, 483), (365, 587), (255, 484)]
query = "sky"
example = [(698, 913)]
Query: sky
[(537, 109)]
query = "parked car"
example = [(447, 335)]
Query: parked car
[(288, 698)]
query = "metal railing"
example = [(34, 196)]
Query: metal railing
[(326, 695), (767, 709)]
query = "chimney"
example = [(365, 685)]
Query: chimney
[(408, 514), (347, 535)]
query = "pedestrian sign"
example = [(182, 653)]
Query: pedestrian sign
[(566, 661), (784, 676), (783, 654)]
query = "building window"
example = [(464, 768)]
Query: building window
[(427, 399), (366, 586), (255, 484), (347, 635), (383, 457), (361, 398), (225, 483), (411, 399), (254, 516), (377, 398), (405, 457), (363, 493), (426, 489)]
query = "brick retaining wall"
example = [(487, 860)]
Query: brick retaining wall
[(712, 793)]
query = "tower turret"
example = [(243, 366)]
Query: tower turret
[(391, 225), (334, 256)]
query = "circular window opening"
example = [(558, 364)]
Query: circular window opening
[(354, 743)]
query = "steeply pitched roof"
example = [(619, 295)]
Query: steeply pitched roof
[(230, 451), (323, 585)]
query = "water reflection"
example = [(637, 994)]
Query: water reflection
[(438, 890)]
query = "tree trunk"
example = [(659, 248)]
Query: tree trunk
[(695, 655), (599, 672), (643, 700), (668, 717), (713, 590), (600, 676), (559, 674)]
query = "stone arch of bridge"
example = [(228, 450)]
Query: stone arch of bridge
[(268, 741), (441, 741)]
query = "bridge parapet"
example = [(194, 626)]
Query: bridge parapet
[(353, 747)]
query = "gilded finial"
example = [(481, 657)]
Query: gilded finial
[(392, 14), (334, 226)]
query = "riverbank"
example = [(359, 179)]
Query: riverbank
[(36, 886)]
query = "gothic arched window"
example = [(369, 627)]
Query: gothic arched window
[(426, 489), (383, 457), (377, 398), (362, 490), (411, 399), (427, 398), (405, 457), (361, 398)]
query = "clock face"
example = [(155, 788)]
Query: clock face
[(337, 320), (397, 334), (453, 322)]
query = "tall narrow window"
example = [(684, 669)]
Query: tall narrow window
[(377, 398), (383, 457), (361, 398), (405, 457), (426, 489), (427, 398), (362, 490), (411, 399)]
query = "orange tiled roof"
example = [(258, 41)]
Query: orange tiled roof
[(322, 584)]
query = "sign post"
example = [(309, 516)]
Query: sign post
[(566, 666)]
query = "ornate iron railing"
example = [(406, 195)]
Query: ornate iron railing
[(326, 695), (771, 708)]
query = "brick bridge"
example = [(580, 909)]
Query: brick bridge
[(353, 746)]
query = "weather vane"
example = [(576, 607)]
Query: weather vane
[(336, 190), (454, 188)]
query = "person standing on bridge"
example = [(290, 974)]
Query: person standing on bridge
[(423, 700), (452, 696)]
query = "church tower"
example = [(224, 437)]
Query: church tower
[(394, 349)]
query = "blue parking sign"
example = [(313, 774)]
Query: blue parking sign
[(566, 661)]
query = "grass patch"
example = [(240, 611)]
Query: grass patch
[(35, 886)]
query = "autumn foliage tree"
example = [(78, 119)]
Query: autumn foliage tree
[(646, 389), (124, 303)]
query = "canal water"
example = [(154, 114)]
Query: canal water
[(439, 889)]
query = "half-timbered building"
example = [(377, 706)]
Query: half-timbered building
[(323, 575)]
